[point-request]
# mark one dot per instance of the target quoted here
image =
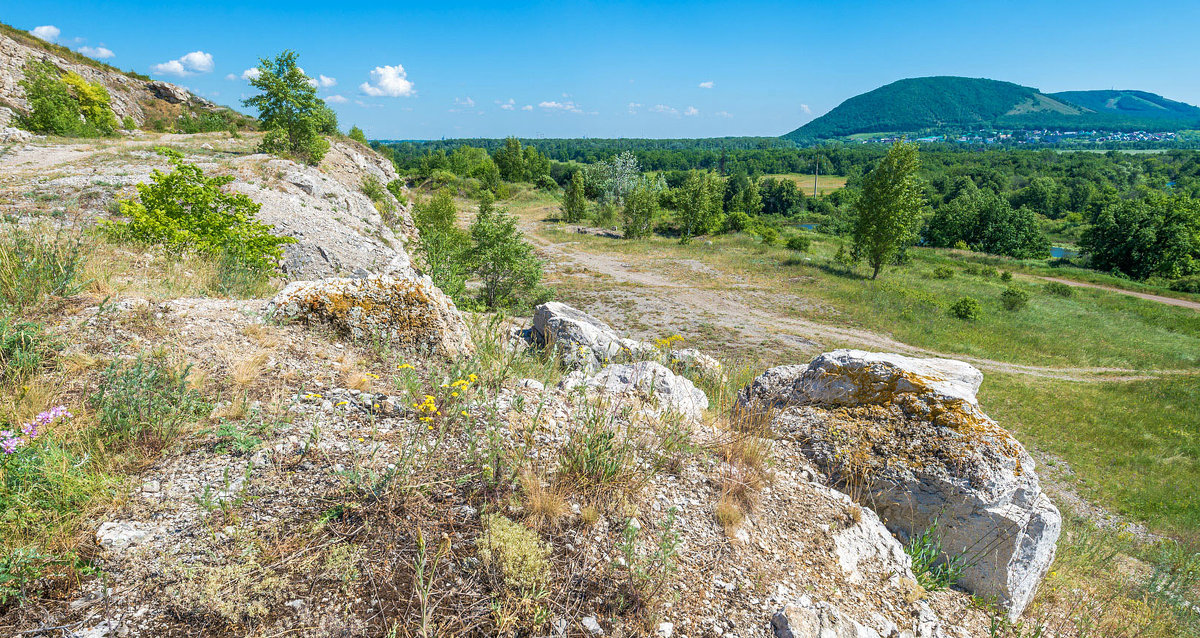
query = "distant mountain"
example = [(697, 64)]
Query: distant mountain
[(947, 103)]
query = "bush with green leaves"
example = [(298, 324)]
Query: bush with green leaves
[(357, 135), (799, 243), (1186, 284), (187, 210), (66, 105), (1060, 289), (145, 398), (1014, 298), (967, 309), (290, 111), (1006, 276), (943, 272)]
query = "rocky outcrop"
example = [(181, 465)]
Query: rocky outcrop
[(907, 437), (339, 231), (410, 312), (586, 343), (130, 96), (648, 381)]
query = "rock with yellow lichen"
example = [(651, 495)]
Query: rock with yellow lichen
[(907, 438), (408, 312)]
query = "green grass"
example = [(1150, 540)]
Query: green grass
[(1134, 446)]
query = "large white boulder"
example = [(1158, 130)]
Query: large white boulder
[(647, 381), (409, 312), (907, 438)]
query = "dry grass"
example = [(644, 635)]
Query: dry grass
[(729, 514), (545, 506), (248, 370)]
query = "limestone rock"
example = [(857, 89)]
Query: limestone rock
[(649, 381), (338, 230), (907, 437), (582, 341), (10, 135), (808, 619), (120, 535), (410, 312), (691, 359)]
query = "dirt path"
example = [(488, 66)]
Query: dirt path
[(734, 310), (1170, 301)]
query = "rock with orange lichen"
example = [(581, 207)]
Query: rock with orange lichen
[(908, 438), (408, 312)]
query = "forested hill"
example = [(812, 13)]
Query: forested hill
[(946, 104)]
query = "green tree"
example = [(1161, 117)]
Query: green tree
[(290, 111), (1154, 235), (510, 160), (357, 135), (698, 204), (641, 207), (889, 207), (508, 269), (444, 246), (985, 221), (574, 206)]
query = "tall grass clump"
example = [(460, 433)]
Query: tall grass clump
[(36, 264)]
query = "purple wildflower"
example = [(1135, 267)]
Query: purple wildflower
[(9, 442)]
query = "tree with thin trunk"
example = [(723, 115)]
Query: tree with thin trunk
[(574, 205), (889, 207)]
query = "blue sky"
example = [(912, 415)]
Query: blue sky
[(628, 69)]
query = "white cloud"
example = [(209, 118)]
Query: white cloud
[(723, 114), (633, 107), (507, 105), (527, 107), (691, 111), (100, 53), (389, 81), (190, 64), (325, 81), (464, 101), (804, 109), (251, 73), (707, 84), (336, 99), (566, 105), (663, 108), (47, 32)]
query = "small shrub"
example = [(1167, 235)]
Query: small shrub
[(738, 221), (357, 135), (606, 215), (1006, 276), (943, 272), (1014, 298), (142, 398), (961, 245), (93, 103), (769, 235), (546, 183), (18, 570), (799, 243), (515, 553), (187, 210), (967, 309), (396, 188), (1060, 289), (128, 123), (1186, 284)]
